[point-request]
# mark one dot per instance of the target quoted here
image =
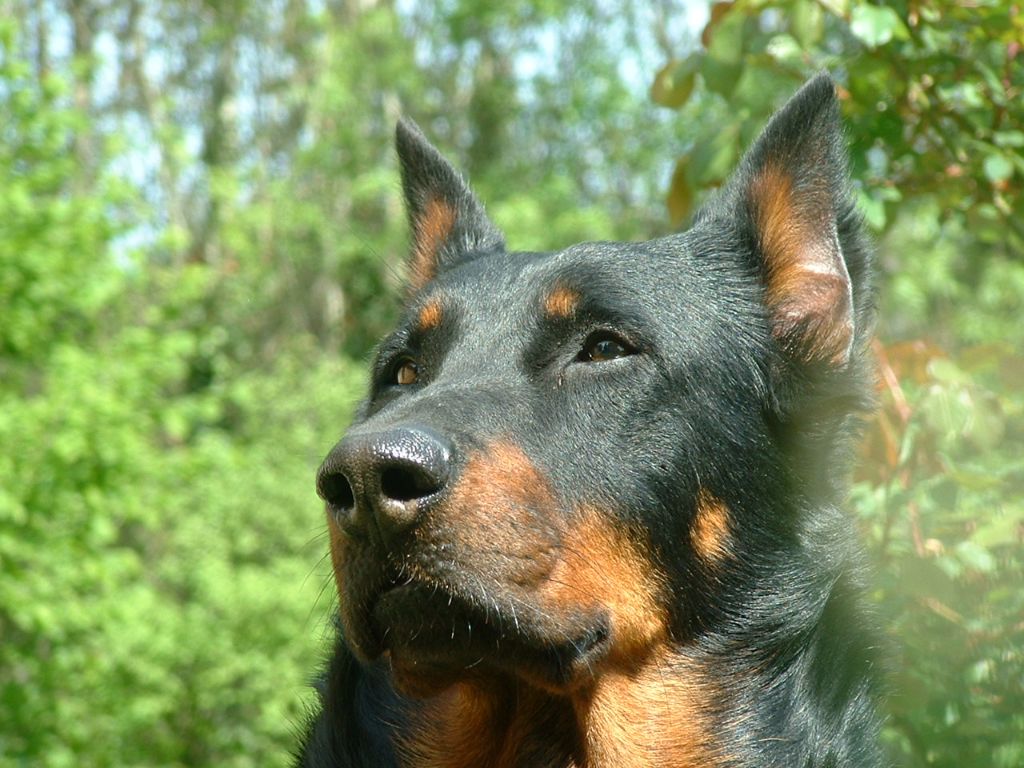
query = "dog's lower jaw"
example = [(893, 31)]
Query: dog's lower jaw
[(557, 667)]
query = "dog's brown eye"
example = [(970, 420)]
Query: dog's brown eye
[(407, 372), (602, 347)]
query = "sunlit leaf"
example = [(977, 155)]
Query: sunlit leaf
[(998, 168), (674, 82), (876, 25), (723, 60), (680, 194)]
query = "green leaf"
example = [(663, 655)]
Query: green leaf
[(875, 26), (975, 556), (998, 168), (713, 157), (680, 194), (1003, 529), (1013, 139), (946, 371), (807, 22), (723, 62), (784, 49), (674, 82), (873, 210)]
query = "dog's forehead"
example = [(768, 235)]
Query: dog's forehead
[(513, 284)]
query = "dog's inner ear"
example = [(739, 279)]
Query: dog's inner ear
[(794, 185), (448, 223), (432, 225)]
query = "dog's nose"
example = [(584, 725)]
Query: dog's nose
[(379, 483)]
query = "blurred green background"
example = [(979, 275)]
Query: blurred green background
[(201, 236)]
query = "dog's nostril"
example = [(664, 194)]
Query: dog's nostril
[(407, 483), (335, 489)]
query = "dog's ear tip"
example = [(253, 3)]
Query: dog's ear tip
[(819, 89), (448, 222), (795, 186), (822, 81), (813, 108), (406, 128), (410, 141)]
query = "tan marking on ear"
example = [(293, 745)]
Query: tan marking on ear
[(652, 714), (779, 231), (807, 285), (561, 302), (430, 315), (607, 568), (710, 529), (432, 228)]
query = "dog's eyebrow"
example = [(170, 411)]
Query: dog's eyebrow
[(430, 314), (601, 301), (561, 301)]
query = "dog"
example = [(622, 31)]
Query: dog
[(588, 515)]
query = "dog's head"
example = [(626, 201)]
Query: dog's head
[(565, 459)]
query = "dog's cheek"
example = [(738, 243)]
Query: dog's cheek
[(710, 530), (606, 569), (502, 520)]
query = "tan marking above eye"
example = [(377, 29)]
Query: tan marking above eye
[(561, 302), (407, 373), (430, 315)]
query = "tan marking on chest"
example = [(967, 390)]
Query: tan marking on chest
[(649, 716), (490, 725)]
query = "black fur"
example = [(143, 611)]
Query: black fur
[(708, 396)]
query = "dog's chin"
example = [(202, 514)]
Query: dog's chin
[(434, 638)]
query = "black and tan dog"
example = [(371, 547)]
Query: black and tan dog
[(587, 515)]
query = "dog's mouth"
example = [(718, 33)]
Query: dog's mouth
[(436, 635)]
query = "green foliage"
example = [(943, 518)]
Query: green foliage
[(932, 97), (940, 499), (158, 549), (42, 233)]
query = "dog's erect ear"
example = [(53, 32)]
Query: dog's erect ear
[(793, 195), (448, 222)]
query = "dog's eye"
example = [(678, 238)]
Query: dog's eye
[(406, 372), (603, 346)]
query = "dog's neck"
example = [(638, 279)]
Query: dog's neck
[(483, 723), (652, 714)]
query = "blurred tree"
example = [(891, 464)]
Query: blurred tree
[(932, 94)]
